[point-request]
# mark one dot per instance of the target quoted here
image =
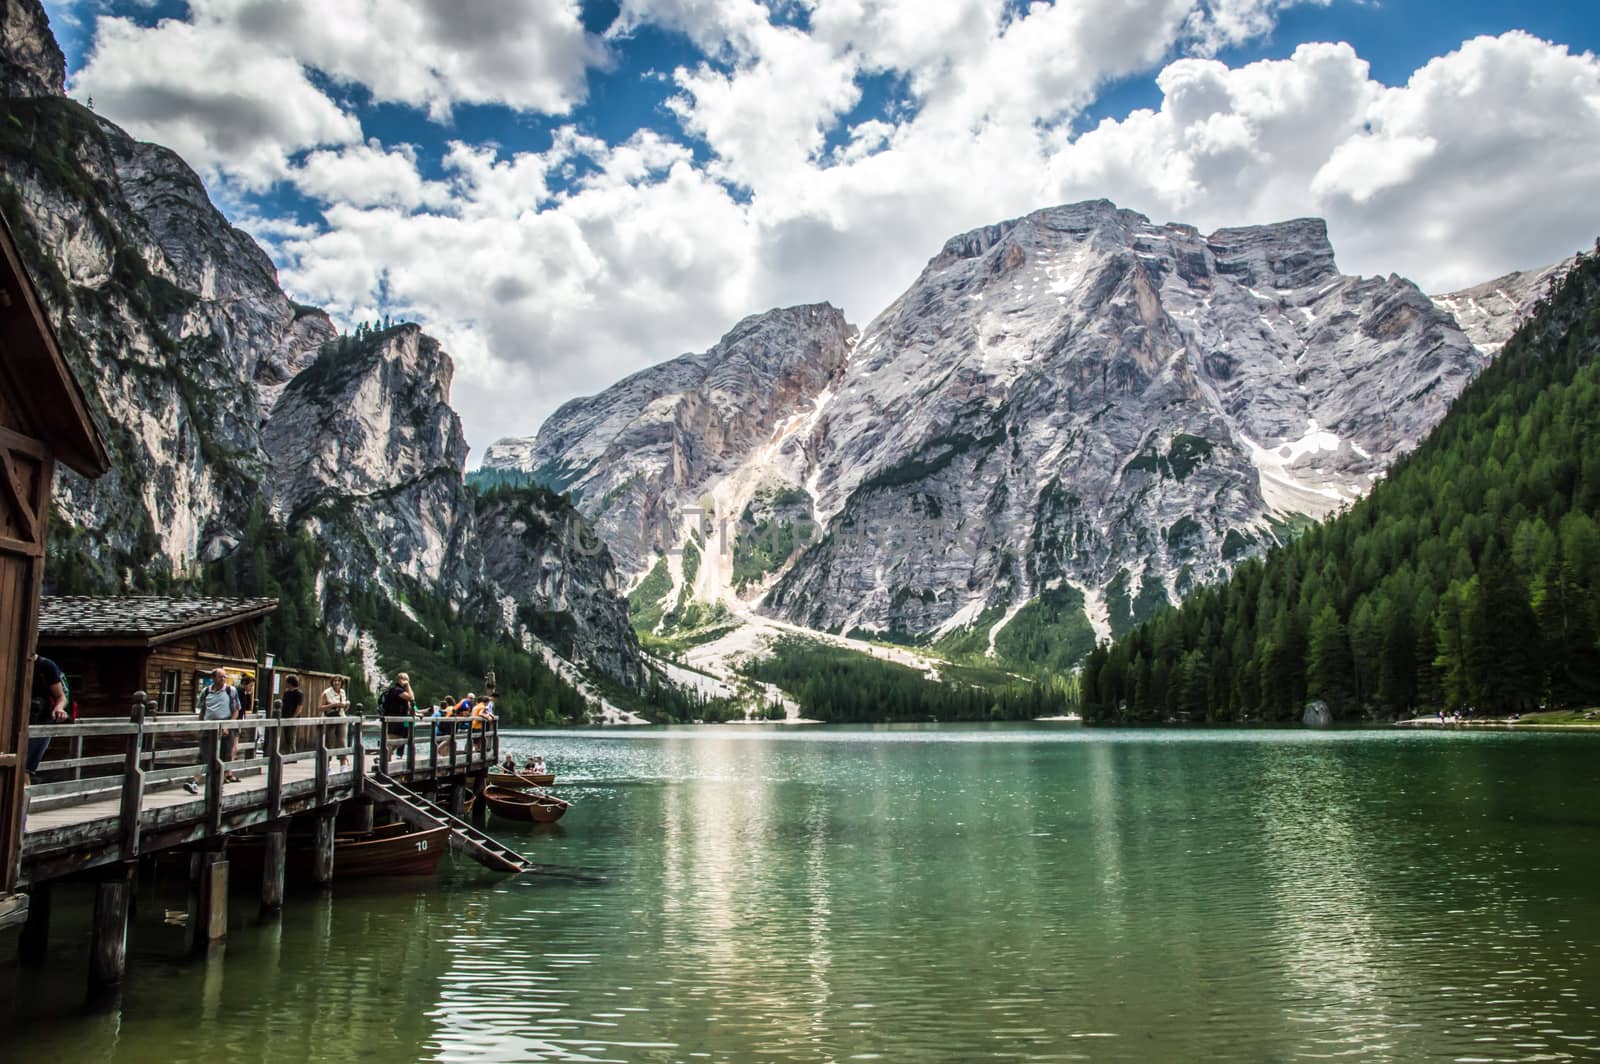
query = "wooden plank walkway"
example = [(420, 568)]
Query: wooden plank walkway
[(92, 823)]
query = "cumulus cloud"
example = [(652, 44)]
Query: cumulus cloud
[(539, 298), (230, 87), (216, 99), (368, 175), (650, 254), (1482, 162), (552, 273), (531, 55)]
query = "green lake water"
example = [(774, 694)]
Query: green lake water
[(939, 893)]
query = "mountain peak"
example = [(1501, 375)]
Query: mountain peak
[(1283, 255)]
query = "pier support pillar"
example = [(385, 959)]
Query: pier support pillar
[(457, 795), (275, 859), (108, 949), (208, 876), (364, 816), (480, 808), (322, 848), (35, 938)]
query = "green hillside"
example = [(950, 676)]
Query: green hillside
[(1470, 577)]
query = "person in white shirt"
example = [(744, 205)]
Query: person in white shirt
[(219, 700), (335, 703)]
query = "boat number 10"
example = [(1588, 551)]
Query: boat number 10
[(422, 844)]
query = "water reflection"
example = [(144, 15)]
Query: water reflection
[(950, 894)]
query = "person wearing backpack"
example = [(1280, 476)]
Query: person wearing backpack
[(397, 701), (47, 705), (219, 700)]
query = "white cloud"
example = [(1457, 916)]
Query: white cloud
[(217, 100), (531, 55), (1482, 163), (539, 296), (553, 273), (229, 88), (367, 175)]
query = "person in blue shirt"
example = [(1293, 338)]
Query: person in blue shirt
[(47, 705)]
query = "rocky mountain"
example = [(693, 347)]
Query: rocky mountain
[(1081, 397), (1489, 313), (1076, 412), (556, 578), (639, 456), (221, 397)]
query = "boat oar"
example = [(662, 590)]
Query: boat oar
[(543, 792)]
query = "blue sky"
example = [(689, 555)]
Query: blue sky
[(567, 192)]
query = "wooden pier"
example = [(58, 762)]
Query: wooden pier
[(123, 798)]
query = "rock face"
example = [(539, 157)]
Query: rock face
[(547, 559), (219, 396), (1075, 398), (367, 455), (1489, 313), (634, 457), (31, 63), (170, 314), (1081, 396)]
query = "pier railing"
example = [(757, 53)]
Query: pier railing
[(119, 781)]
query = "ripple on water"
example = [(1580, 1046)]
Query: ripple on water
[(941, 894)]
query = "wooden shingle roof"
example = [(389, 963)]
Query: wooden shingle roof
[(140, 620)]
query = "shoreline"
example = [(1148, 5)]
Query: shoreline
[(1495, 725)]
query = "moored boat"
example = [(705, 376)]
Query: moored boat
[(522, 779), (524, 805), (389, 850)]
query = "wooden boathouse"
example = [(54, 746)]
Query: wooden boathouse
[(108, 648), (44, 419)]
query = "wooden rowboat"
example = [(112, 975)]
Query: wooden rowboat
[(522, 779), (415, 853), (524, 805), (390, 850)]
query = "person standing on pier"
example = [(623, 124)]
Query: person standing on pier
[(335, 703), (294, 700), (48, 705), (219, 701), (397, 700), (247, 704)]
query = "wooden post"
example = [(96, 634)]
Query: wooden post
[(133, 782), (273, 865), (365, 818), (383, 743), (452, 751), (322, 764), (274, 735), (494, 726), (211, 756), (358, 754), (322, 853), (433, 751), (411, 751), (34, 941), (208, 870), (108, 949), (458, 799)]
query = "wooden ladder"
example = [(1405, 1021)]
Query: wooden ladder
[(417, 811)]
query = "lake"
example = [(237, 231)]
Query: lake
[(949, 893)]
